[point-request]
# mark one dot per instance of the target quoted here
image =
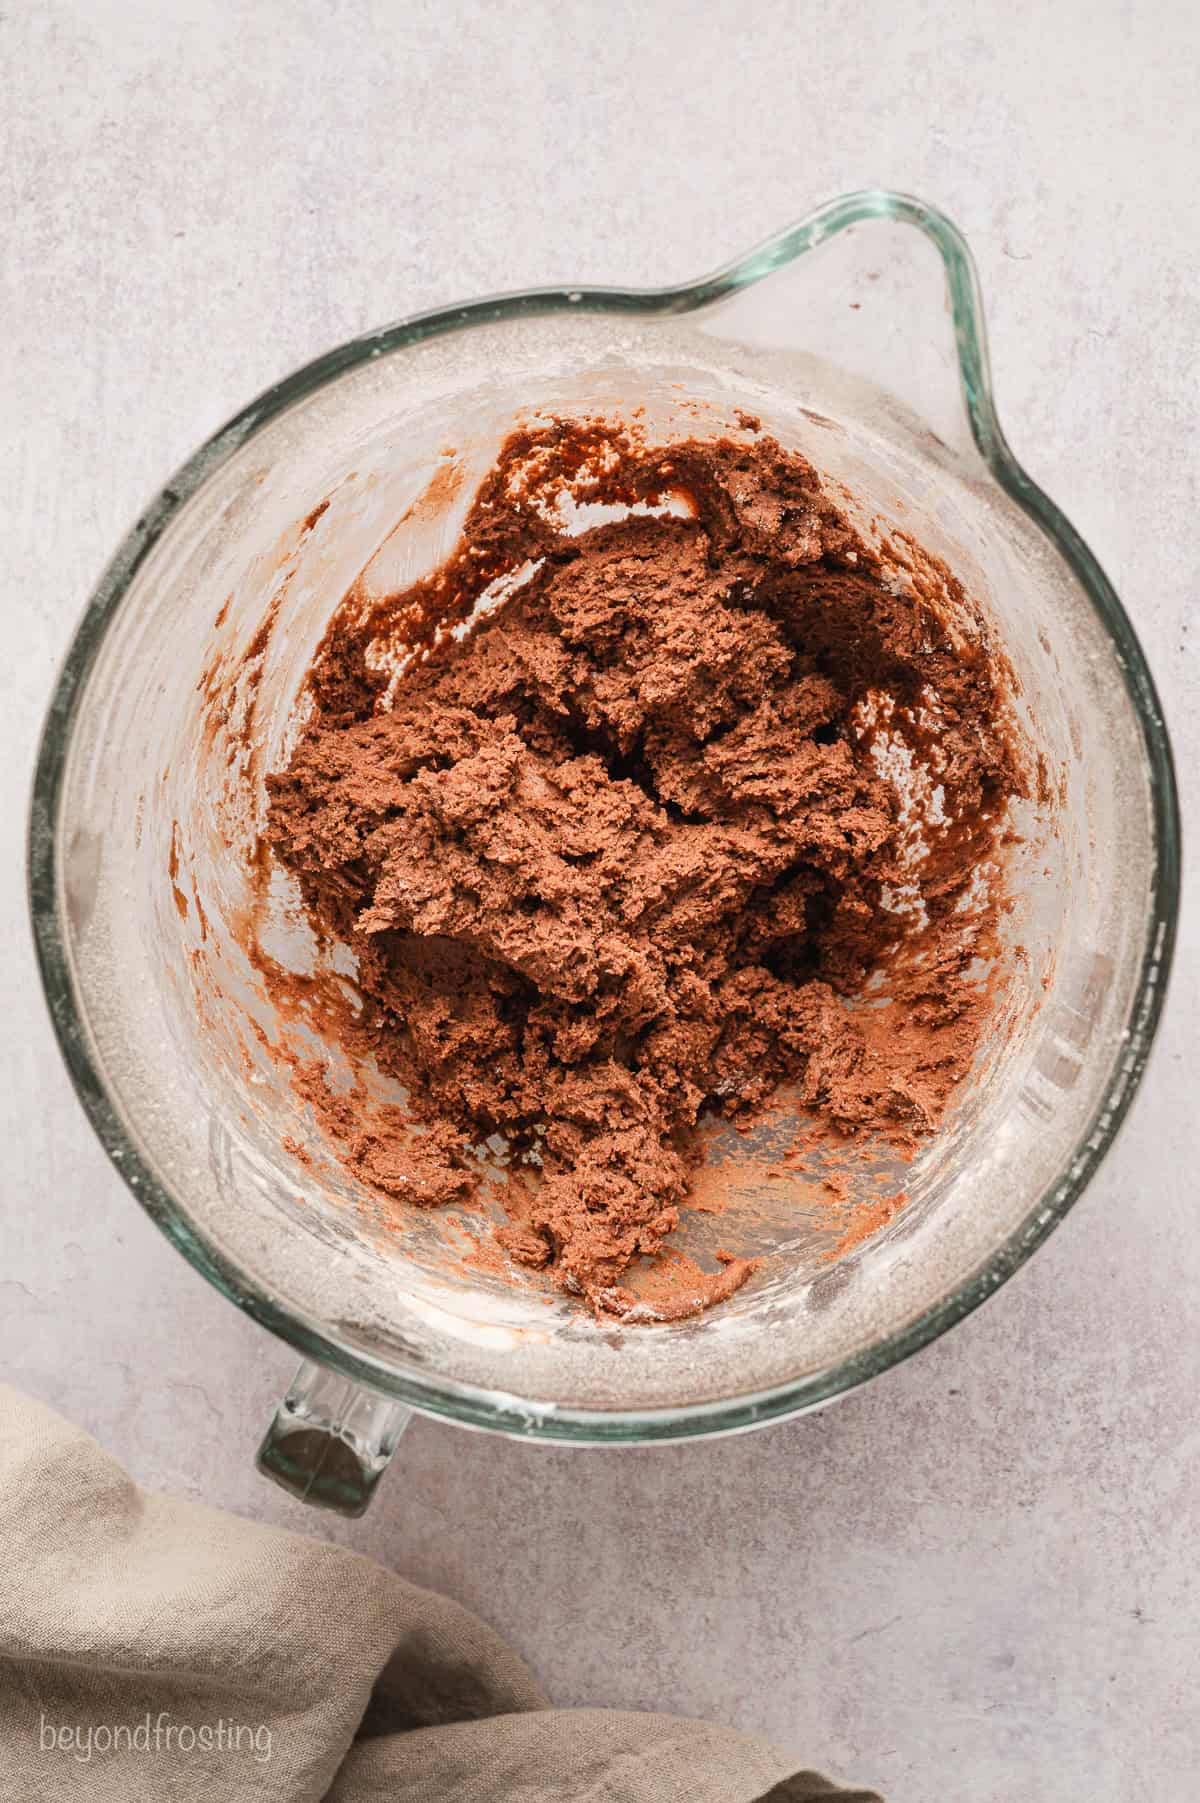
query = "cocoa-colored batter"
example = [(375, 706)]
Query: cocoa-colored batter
[(631, 845)]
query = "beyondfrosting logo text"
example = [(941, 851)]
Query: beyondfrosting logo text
[(155, 1734)]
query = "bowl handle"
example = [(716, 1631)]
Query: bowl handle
[(331, 1440)]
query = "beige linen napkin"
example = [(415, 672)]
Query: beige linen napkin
[(151, 1648)]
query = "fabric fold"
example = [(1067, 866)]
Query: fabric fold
[(153, 1648)]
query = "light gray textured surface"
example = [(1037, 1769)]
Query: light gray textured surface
[(976, 1579)]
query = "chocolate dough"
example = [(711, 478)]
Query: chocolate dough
[(626, 848)]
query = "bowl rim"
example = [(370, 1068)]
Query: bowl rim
[(500, 1411)]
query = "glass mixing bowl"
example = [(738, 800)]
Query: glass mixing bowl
[(858, 338)]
